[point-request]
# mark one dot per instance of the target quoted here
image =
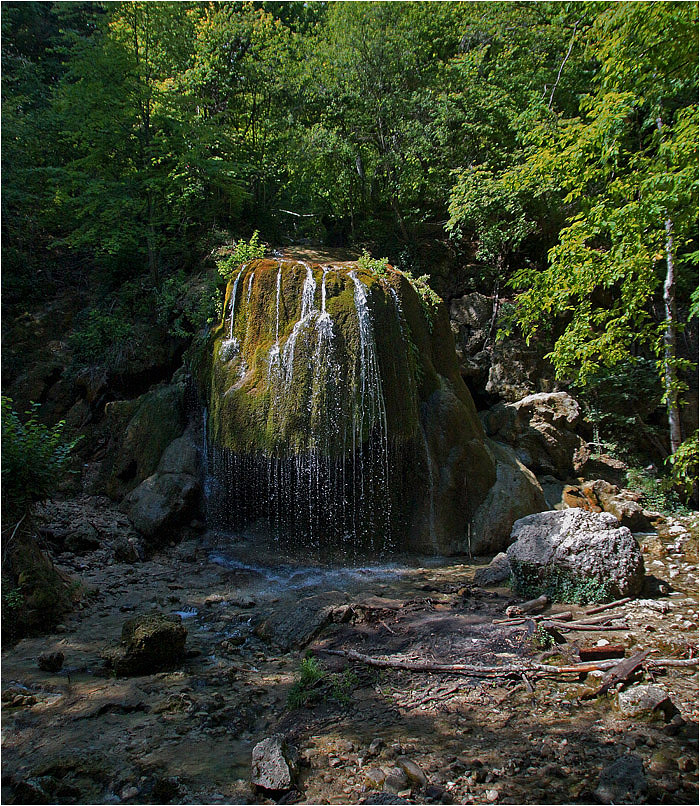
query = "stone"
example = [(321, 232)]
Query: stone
[(150, 643), (396, 780), (645, 701), (589, 554), (374, 777), (161, 503), (498, 570), (413, 772), (599, 466), (294, 628), (384, 797), (50, 661), (623, 504), (541, 428), (515, 494), (273, 766), (623, 781), (141, 431), (83, 538)]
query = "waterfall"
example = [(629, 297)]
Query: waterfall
[(308, 294), (250, 286), (431, 488), (275, 349), (233, 301)]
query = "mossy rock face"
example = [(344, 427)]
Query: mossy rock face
[(335, 409), (142, 429)]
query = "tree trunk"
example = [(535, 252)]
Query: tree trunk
[(670, 315)]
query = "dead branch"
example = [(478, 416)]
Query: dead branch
[(532, 606), (608, 606), (601, 652), (504, 670), (565, 615), (585, 627), (620, 673)]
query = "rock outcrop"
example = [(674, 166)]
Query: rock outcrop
[(600, 496), (336, 410), (575, 555), (542, 430), (168, 498)]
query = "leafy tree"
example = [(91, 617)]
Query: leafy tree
[(628, 166)]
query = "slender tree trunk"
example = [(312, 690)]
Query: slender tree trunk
[(671, 317), (670, 378)]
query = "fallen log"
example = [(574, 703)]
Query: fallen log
[(586, 627), (517, 669), (620, 673), (608, 606), (601, 652), (565, 615), (532, 606)]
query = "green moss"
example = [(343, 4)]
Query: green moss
[(532, 581)]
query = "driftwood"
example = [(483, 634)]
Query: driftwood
[(565, 615), (620, 673), (518, 669), (533, 606), (608, 606), (583, 627), (601, 652)]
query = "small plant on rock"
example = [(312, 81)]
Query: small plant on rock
[(314, 684), (377, 266), (243, 252)]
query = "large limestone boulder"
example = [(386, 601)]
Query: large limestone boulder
[(170, 496), (574, 555), (152, 642), (541, 428), (515, 494), (337, 412), (141, 430)]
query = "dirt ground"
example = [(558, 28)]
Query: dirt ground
[(363, 735)]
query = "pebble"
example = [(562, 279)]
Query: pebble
[(492, 795), (129, 792)]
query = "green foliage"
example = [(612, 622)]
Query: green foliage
[(377, 266), (243, 252), (659, 490), (34, 457), (559, 586), (430, 301), (684, 465), (313, 683), (541, 639), (101, 338), (187, 307)]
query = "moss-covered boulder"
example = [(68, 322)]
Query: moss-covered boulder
[(141, 430), (152, 642), (336, 410)]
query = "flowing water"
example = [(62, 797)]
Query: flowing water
[(327, 483)]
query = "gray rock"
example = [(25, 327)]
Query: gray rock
[(515, 494), (273, 765), (582, 547), (396, 781), (623, 504), (82, 538), (541, 428), (384, 797), (623, 781), (413, 772), (151, 642), (181, 456), (498, 570), (645, 701), (50, 661), (162, 502), (294, 628)]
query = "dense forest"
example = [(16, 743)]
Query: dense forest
[(296, 295)]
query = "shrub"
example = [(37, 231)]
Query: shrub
[(185, 307), (377, 266), (34, 456), (101, 338), (659, 493), (314, 683), (559, 585), (684, 466), (243, 252), (428, 298)]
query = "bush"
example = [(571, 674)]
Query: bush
[(34, 456), (101, 338), (314, 683), (187, 307), (684, 466), (659, 493), (377, 266), (243, 252)]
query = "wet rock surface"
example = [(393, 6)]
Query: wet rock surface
[(187, 735)]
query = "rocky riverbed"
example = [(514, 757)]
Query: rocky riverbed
[(80, 735)]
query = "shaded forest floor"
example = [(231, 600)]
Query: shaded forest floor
[(186, 736)]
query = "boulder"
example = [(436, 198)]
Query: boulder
[(150, 643), (574, 555), (515, 494), (50, 661), (141, 430), (601, 496), (623, 781), (519, 369), (541, 429), (588, 465), (169, 497), (645, 702), (273, 764), (498, 570)]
